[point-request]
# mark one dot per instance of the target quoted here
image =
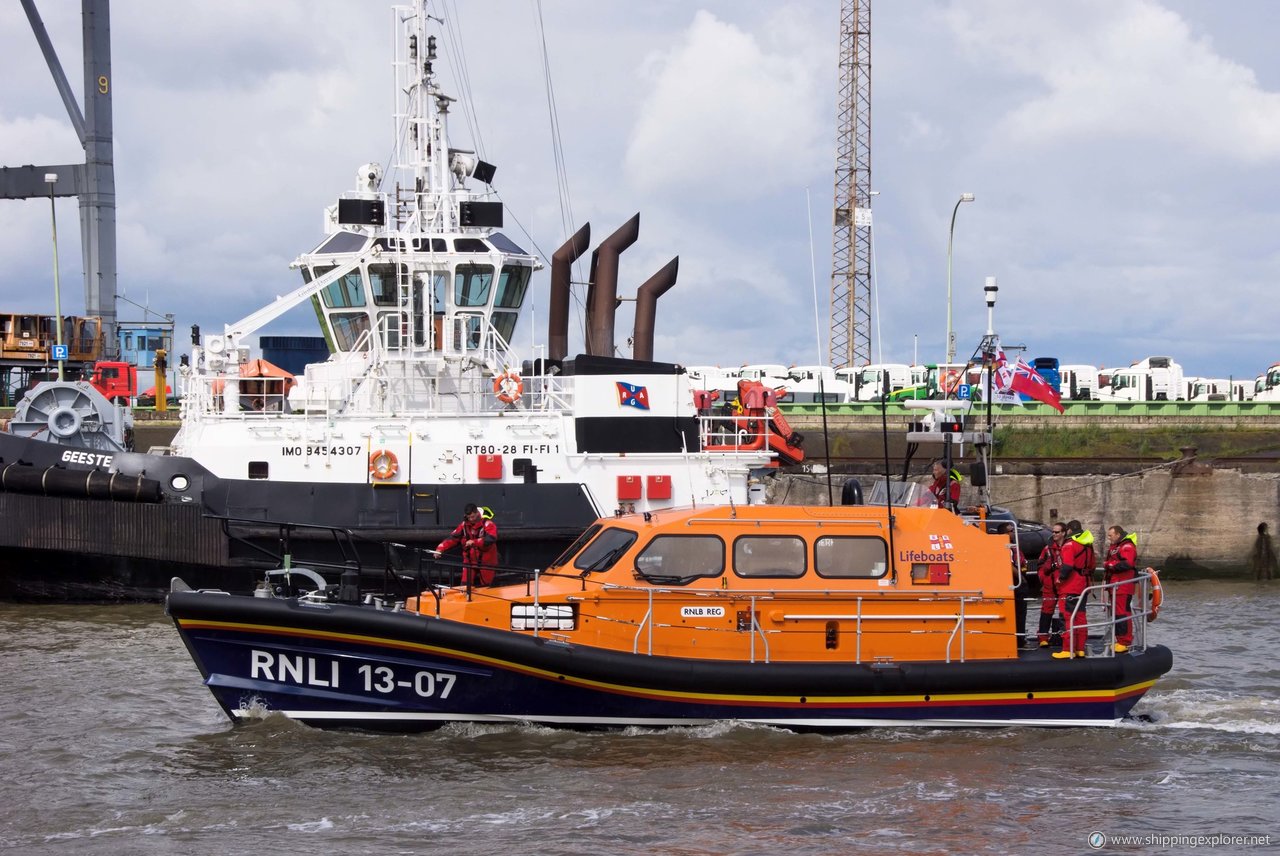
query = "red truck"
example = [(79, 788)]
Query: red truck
[(116, 381)]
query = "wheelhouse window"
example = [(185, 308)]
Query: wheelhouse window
[(348, 328), (513, 282), (383, 285), (680, 559), (471, 285), (604, 552), (505, 324), (347, 292), (769, 556), (850, 558)]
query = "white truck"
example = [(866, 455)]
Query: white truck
[(812, 384), (1149, 379), (868, 382), (1214, 389), (1267, 386), (1078, 382)]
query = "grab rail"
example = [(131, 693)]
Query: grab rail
[(1138, 616)]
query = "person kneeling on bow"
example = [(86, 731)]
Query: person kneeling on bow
[(477, 535)]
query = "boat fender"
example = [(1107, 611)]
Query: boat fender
[(851, 492), (383, 464), (1157, 594), (508, 387)]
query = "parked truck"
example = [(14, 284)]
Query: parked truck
[(1078, 382), (868, 382), (1149, 379), (118, 382)]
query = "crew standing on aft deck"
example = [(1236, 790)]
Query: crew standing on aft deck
[(1073, 578), (478, 537), (1050, 629), (1121, 566)]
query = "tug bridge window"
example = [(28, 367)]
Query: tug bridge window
[(679, 559), (346, 292), (769, 556), (347, 328), (850, 558), (383, 285), (471, 284)]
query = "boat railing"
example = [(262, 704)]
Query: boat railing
[(734, 433), (1105, 597), (838, 607)]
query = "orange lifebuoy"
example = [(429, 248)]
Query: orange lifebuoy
[(1157, 594), (383, 464), (508, 387)]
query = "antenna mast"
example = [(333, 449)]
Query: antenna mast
[(850, 340)]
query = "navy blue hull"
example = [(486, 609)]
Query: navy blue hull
[(349, 666)]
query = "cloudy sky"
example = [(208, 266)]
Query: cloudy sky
[(1123, 153)]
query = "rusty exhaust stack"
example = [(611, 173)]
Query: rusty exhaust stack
[(603, 296), (647, 308), (558, 304)]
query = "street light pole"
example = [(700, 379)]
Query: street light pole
[(51, 178), (951, 337)]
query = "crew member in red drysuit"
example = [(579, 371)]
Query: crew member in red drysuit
[(1050, 630), (945, 487), (1121, 566), (1074, 577), (478, 537)]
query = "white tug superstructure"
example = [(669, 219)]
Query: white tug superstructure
[(424, 406)]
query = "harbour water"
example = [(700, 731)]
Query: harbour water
[(110, 744)]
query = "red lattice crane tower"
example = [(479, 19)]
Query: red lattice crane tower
[(850, 339)]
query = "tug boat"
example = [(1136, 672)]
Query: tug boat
[(423, 407), (809, 618)]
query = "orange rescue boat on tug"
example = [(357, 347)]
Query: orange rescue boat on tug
[(804, 617)]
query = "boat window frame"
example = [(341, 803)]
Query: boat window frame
[(684, 579), (817, 557), (347, 328), (475, 282), (577, 545), (381, 294), (348, 291), (512, 286), (598, 551), (745, 539)]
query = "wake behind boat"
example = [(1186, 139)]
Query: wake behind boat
[(423, 407), (803, 617)]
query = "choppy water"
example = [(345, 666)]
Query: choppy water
[(110, 744)]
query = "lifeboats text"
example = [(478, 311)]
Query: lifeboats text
[(923, 556)]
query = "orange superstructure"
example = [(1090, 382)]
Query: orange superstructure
[(783, 583)]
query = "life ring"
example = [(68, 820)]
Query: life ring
[(383, 464), (508, 387), (1157, 594)]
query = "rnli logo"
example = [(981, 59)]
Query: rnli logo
[(939, 542)]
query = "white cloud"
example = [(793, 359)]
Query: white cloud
[(1123, 69), (724, 111)]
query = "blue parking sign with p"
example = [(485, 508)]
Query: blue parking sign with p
[(60, 352), (964, 391)]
